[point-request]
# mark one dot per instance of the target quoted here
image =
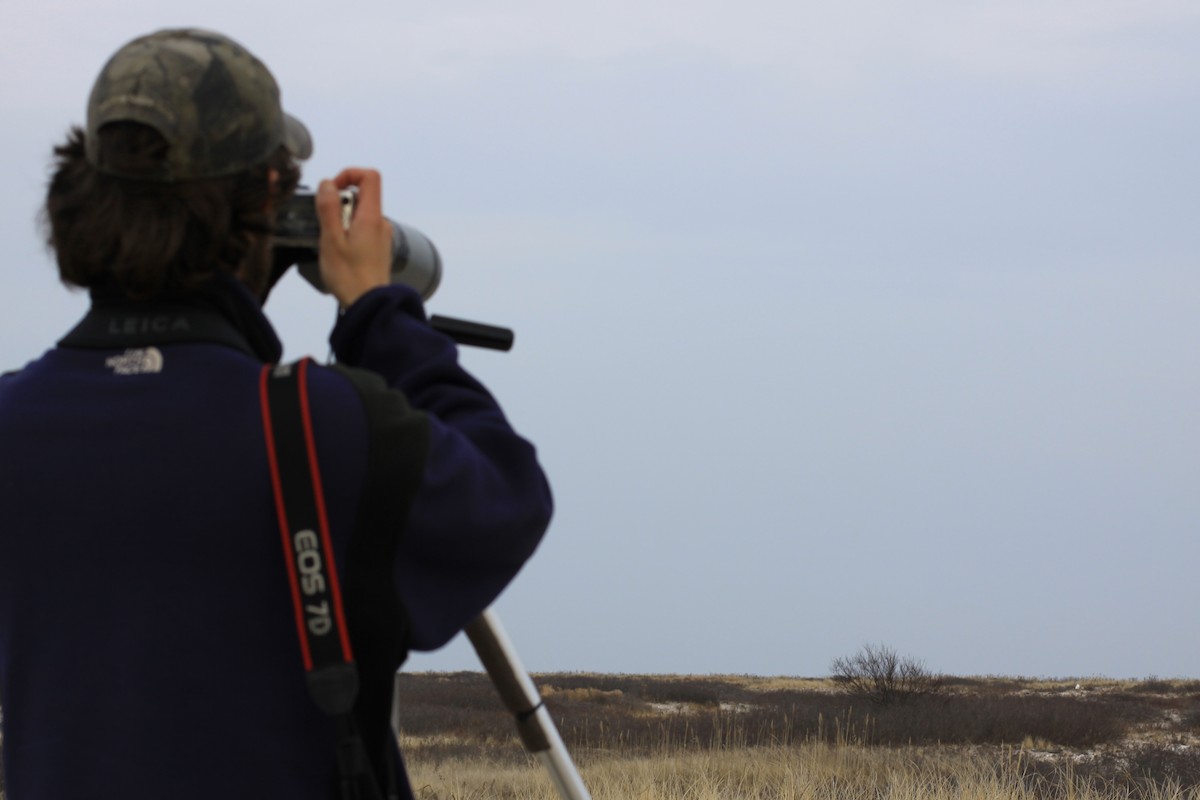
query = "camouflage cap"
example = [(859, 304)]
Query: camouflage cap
[(210, 98)]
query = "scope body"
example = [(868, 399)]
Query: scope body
[(415, 261)]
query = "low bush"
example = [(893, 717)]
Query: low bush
[(883, 676)]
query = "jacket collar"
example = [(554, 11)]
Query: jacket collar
[(223, 312)]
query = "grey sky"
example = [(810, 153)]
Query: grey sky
[(836, 322)]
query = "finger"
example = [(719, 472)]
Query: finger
[(370, 190), (329, 208), (351, 176)]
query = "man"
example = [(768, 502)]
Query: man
[(148, 637)]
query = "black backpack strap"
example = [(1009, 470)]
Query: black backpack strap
[(316, 596)]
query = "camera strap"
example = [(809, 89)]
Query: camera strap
[(331, 673)]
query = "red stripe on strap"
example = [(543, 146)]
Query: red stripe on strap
[(281, 513)]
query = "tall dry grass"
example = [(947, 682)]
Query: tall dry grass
[(812, 772)]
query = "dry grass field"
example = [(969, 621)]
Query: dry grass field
[(655, 737), (658, 737)]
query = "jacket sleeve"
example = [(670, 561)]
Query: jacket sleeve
[(483, 503)]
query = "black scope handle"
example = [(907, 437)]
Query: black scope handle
[(475, 334)]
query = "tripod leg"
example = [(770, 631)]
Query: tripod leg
[(520, 696)]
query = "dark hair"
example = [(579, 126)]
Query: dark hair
[(147, 238)]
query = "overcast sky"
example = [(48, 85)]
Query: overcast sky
[(836, 323)]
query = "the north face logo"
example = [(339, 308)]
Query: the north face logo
[(136, 362)]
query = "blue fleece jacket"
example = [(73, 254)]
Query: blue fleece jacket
[(148, 646)]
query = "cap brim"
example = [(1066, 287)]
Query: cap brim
[(296, 137)]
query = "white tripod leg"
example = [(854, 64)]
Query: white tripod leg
[(520, 696)]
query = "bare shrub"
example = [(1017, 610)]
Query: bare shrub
[(880, 674)]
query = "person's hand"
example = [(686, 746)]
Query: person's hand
[(356, 259)]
